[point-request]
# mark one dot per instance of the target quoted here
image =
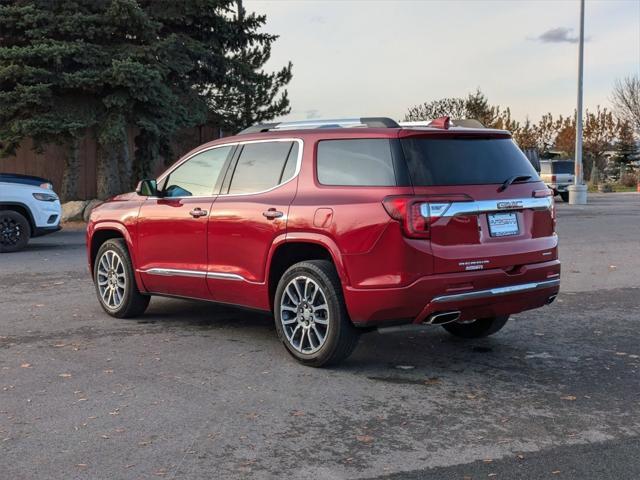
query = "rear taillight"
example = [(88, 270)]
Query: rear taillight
[(547, 192), (415, 214), (553, 179)]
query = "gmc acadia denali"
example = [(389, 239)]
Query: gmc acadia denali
[(338, 227)]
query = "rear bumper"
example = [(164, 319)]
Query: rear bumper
[(478, 294)]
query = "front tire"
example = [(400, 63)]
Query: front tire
[(311, 317), (482, 327), (14, 231), (115, 283), (564, 196)]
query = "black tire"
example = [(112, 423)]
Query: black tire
[(14, 231), (564, 196), (341, 336), (482, 327), (132, 303)]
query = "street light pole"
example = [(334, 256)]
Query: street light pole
[(578, 191)]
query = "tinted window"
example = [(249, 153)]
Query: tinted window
[(355, 162), (464, 161), (290, 167), (198, 175), (563, 167), (260, 167)]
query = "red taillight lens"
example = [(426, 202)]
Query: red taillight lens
[(412, 213), (553, 179)]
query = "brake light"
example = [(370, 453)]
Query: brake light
[(414, 214), (553, 179)]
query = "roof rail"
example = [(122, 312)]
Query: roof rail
[(363, 122)]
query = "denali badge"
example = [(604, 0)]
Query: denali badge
[(473, 264), (510, 204)]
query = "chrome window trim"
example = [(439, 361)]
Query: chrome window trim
[(487, 206), (492, 292), (295, 173), (233, 144)]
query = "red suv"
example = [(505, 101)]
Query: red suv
[(338, 227)]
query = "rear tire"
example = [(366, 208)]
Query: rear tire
[(14, 231), (564, 196), (482, 327), (115, 282), (311, 317)]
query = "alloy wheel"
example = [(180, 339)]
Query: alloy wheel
[(10, 231), (111, 279), (304, 314)]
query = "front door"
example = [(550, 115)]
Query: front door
[(172, 228), (250, 213)]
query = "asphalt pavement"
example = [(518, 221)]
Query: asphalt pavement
[(198, 391)]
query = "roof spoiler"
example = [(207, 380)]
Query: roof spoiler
[(445, 123)]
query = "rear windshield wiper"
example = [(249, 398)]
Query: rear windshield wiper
[(514, 179)]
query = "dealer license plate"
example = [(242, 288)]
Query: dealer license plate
[(503, 224)]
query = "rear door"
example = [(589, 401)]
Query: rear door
[(475, 223), (172, 228), (250, 213)]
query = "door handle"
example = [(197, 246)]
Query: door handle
[(197, 212), (272, 213)]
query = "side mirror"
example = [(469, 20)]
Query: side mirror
[(147, 188)]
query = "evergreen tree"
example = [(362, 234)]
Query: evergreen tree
[(626, 148), (123, 67)]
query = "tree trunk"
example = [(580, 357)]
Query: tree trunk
[(71, 174), (108, 175), (125, 164)]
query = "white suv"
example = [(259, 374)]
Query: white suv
[(28, 208)]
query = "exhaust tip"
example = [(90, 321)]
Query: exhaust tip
[(442, 318), (551, 299)]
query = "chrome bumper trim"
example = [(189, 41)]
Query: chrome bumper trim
[(493, 292)]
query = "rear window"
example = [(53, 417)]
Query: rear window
[(562, 167), (359, 162), (464, 161)]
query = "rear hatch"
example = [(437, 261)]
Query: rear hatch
[(483, 203)]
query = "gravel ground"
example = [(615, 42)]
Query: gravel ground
[(198, 391)]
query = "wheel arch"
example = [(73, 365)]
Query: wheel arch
[(292, 250), (23, 210), (99, 233)]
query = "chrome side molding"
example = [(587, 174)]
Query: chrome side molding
[(171, 272), (523, 287)]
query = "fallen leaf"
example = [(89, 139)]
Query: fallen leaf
[(405, 367), (26, 365), (568, 397), (432, 381), (297, 413), (364, 438), (65, 375), (555, 472), (487, 460)]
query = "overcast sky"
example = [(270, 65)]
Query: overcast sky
[(378, 57)]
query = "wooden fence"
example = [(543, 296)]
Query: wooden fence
[(50, 163)]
